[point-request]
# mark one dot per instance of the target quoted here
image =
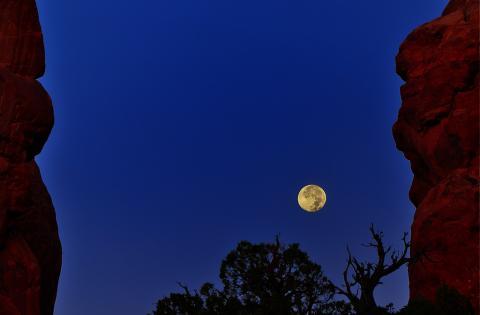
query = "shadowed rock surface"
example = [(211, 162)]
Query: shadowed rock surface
[(30, 251), (438, 131)]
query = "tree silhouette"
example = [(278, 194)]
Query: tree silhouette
[(278, 279), (364, 277), (261, 279)]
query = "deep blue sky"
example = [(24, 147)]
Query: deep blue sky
[(185, 126)]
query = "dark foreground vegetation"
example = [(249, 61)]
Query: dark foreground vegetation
[(279, 279)]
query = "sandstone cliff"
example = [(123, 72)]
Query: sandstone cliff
[(438, 131), (30, 252)]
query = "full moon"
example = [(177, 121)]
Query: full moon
[(312, 198)]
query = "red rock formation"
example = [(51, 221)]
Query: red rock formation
[(438, 131), (30, 252)]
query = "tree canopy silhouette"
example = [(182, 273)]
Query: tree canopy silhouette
[(263, 279), (278, 279)]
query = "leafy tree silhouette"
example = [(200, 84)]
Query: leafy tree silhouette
[(261, 279), (278, 279)]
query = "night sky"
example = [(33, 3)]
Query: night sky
[(185, 126)]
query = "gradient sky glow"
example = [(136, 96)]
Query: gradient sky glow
[(185, 126)]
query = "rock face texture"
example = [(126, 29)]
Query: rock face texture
[(438, 131), (30, 252)]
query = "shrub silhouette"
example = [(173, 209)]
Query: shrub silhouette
[(448, 301), (260, 279)]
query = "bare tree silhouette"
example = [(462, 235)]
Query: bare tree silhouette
[(364, 277)]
